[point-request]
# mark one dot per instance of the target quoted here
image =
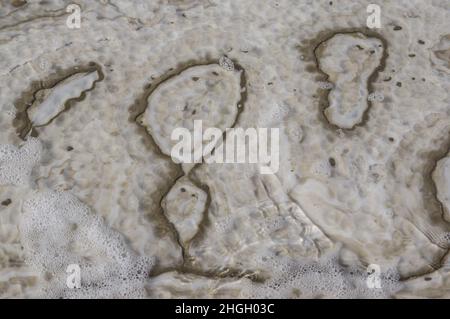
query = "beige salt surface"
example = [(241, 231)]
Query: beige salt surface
[(363, 177)]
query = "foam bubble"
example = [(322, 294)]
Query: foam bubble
[(226, 63), (58, 230), (16, 164), (324, 278), (376, 96)]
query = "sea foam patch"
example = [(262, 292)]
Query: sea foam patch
[(16, 163), (60, 233)]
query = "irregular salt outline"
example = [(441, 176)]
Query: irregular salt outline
[(326, 36), (324, 104), (137, 110), (434, 191), (28, 98), (428, 177), (432, 52), (67, 101), (56, 14)]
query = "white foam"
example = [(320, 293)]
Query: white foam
[(325, 278), (16, 164), (58, 230)]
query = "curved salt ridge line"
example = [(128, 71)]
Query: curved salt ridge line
[(440, 190), (430, 169), (10, 20), (60, 92), (441, 178), (184, 205), (326, 36), (136, 111)]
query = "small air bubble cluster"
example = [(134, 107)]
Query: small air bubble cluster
[(375, 96), (325, 278), (326, 85), (58, 230), (226, 63)]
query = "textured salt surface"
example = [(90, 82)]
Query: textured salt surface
[(364, 143), (209, 93), (441, 177), (184, 206), (57, 230), (53, 104), (349, 60)]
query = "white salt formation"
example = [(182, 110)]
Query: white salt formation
[(16, 164), (441, 177), (51, 102), (348, 60), (58, 231), (184, 206), (325, 278), (208, 93)]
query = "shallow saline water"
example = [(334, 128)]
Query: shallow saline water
[(114, 116)]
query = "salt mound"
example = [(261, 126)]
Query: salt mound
[(58, 230), (16, 164)]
